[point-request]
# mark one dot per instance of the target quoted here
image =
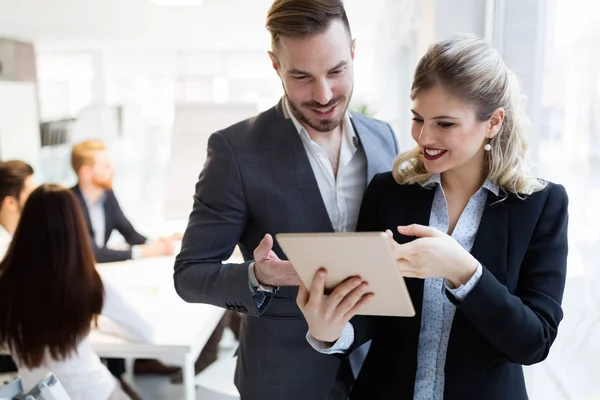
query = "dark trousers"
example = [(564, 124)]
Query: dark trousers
[(209, 353), (7, 365), (116, 366)]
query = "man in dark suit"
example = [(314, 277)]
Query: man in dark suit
[(301, 166), (102, 212), (103, 215)]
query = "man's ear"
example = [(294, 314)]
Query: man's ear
[(9, 203), (353, 48), (84, 172), (274, 61)]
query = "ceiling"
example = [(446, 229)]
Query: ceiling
[(72, 24)]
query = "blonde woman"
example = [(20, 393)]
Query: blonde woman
[(482, 243)]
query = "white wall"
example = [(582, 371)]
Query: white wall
[(19, 127), (459, 16)]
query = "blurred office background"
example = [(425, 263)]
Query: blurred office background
[(153, 78)]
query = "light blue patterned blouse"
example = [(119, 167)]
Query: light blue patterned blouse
[(437, 312)]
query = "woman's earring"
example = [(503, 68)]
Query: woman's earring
[(487, 146)]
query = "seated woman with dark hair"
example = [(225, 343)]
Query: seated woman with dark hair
[(51, 295)]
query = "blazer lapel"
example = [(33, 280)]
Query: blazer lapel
[(491, 241), (491, 250), (419, 213), (287, 148)]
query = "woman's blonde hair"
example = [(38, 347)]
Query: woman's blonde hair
[(472, 70)]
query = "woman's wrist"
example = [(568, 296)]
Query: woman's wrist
[(468, 267)]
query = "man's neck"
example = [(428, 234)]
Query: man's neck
[(92, 192), (333, 136), (9, 222), (326, 138)]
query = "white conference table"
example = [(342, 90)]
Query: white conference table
[(180, 329)]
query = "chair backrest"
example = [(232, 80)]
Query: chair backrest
[(48, 388), (10, 389)]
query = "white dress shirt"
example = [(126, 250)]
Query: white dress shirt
[(5, 239), (98, 221), (342, 195)]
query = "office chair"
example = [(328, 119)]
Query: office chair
[(48, 388)]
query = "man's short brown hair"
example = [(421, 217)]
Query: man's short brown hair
[(12, 178), (302, 18), (83, 153)]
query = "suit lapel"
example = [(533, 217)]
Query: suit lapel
[(84, 209), (287, 148), (375, 163), (108, 218)]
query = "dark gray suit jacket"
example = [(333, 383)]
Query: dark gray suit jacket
[(114, 219), (257, 179)]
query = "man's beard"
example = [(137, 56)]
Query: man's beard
[(320, 125), (105, 184)]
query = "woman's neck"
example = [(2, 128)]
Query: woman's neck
[(467, 180)]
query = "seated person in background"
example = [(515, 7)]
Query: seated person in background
[(16, 184), (47, 330), (101, 210), (102, 213)]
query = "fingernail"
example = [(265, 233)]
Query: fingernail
[(321, 274)]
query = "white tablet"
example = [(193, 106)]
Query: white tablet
[(364, 254)]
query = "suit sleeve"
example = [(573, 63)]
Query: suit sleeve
[(132, 237), (105, 255), (523, 326), (218, 218)]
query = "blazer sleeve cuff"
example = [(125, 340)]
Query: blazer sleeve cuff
[(461, 292)]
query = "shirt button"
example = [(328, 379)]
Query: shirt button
[(438, 303), (430, 373)]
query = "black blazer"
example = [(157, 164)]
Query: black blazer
[(115, 219), (510, 318)]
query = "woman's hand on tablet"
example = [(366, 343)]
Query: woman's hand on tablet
[(433, 254), (327, 314)]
